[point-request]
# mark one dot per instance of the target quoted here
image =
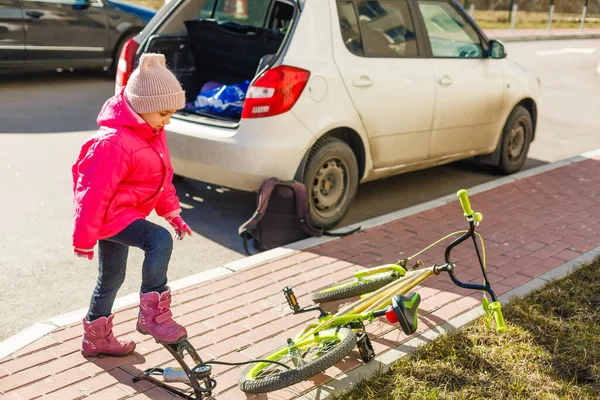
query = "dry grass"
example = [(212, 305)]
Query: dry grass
[(531, 20), (551, 350)]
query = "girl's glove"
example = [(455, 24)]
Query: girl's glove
[(181, 228), (85, 253)]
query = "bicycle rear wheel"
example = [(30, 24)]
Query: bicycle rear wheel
[(354, 287), (305, 358)]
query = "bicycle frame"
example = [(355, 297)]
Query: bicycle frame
[(373, 305), (363, 309), (399, 269)]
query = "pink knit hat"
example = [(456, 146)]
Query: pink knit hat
[(152, 87)]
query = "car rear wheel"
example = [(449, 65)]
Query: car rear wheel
[(331, 178), (516, 137), (112, 71)]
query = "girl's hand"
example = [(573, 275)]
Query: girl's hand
[(181, 228), (84, 253)]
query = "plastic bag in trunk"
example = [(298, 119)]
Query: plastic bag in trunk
[(223, 100)]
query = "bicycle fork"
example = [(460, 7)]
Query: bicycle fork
[(363, 343)]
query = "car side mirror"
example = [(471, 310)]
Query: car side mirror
[(82, 4), (496, 49)]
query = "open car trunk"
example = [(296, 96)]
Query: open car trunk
[(219, 59)]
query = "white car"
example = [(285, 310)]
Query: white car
[(341, 92)]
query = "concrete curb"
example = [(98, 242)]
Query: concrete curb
[(557, 273), (346, 382), (24, 337), (38, 330)]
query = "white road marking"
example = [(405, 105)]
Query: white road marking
[(598, 69), (566, 51)]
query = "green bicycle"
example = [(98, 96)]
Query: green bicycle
[(370, 279), (328, 340)]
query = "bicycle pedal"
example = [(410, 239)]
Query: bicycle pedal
[(291, 298), (365, 348)]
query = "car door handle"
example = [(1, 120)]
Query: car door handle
[(363, 81), (34, 14), (445, 80)]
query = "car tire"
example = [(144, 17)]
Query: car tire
[(177, 178), (112, 71), (331, 179), (515, 141)]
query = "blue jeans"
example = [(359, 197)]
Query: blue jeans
[(157, 244)]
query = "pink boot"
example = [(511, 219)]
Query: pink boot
[(155, 318), (98, 339)]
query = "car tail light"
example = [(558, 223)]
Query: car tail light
[(275, 92), (125, 65)]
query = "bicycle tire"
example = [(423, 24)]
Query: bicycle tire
[(351, 288), (249, 384)]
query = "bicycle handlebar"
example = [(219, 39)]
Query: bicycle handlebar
[(473, 218), (496, 309), (379, 313), (466, 206), (464, 202)]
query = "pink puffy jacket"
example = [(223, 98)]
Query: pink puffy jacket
[(122, 173)]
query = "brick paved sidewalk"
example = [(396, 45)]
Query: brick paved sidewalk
[(531, 226)]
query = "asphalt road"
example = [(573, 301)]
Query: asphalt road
[(46, 117)]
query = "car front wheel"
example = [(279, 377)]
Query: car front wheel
[(331, 178), (516, 137)]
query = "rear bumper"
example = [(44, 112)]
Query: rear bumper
[(239, 158)]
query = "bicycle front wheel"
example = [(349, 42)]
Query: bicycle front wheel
[(305, 359), (355, 287)]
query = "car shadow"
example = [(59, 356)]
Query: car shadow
[(216, 212), (52, 102)]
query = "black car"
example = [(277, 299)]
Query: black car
[(62, 34)]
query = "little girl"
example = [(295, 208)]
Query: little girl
[(123, 172)]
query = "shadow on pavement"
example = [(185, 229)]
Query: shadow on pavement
[(53, 102), (406, 190), (216, 212)]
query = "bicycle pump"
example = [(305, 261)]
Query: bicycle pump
[(198, 377)]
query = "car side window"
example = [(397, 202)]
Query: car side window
[(349, 27), (375, 28), (450, 34)]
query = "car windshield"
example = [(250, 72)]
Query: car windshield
[(239, 11)]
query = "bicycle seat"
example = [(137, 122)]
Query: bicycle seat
[(404, 311)]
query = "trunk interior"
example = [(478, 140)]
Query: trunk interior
[(221, 51)]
